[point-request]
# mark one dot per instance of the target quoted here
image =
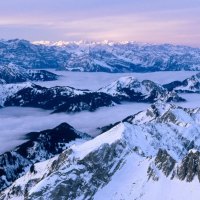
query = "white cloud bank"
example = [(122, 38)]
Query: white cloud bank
[(15, 122)]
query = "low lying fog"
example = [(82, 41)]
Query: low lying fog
[(96, 80), (15, 122)]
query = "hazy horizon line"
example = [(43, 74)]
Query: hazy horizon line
[(51, 42)]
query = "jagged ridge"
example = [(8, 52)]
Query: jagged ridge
[(189, 85), (149, 146), (39, 146), (96, 56), (68, 99)]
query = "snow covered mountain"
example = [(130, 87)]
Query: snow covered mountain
[(14, 74), (132, 57), (58, 99), (151, 155), (99, 56), (68, 99), (130, 89), (25, 54), (189, 85), (39, 146)]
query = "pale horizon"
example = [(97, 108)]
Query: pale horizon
[(99, 41), (94, 20)]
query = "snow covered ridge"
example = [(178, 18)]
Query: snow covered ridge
[(57, 99), (130, 89), (189, 85), (99, 56), (68, 99), (15, 74), (155, 148), (39, 146)]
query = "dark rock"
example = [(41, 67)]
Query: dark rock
[(40, 146), (164, 162), (189, 167)]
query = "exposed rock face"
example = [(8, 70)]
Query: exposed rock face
[(189, 167), (79, 179), (164, 162), (40, 146), (164, 113), (148, 150), (107, 160)]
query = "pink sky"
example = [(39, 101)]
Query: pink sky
[(152, 21)]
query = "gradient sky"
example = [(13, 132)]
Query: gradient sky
[(154, 21)]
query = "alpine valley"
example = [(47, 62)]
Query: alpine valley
[(139, 103)]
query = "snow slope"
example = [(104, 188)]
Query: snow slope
[(129, 88), (136, 159), (134, 184)]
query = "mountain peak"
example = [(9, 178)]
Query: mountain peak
[(131, 89), (105, 56)]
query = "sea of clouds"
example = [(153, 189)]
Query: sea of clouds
[(15, 122)]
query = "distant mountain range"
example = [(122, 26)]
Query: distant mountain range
[(154, 154), (99, 56)]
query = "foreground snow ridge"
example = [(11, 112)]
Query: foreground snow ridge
[(154, 154)]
